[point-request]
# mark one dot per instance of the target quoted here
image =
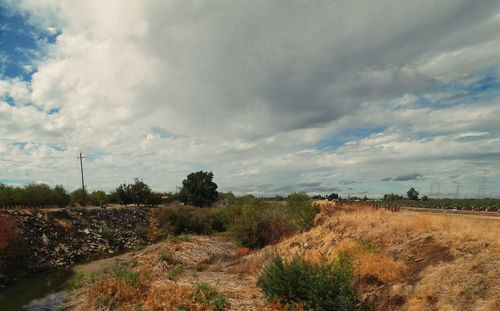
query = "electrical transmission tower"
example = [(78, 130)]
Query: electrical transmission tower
[(83, 183)]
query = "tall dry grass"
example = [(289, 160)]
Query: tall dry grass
[(424, 261)]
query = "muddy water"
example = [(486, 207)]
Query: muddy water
[(44, 292), (47, 291)]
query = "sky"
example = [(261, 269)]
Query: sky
[(352, 97)]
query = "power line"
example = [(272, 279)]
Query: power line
[(81, 169)]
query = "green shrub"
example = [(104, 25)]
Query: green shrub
[(76, 281), (176, 220), (260, 225), (166, 257), (302, 210), (126, 274), (321, 286), (207, 293), (175, 272)]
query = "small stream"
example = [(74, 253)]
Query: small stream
[(44, 292), (47, 291)]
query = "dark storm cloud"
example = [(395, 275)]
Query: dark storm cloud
[(408, 177)]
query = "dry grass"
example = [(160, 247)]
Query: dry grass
[(402, 261), (166, 296), (422, 261)]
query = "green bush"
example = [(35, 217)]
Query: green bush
[(260, 225), (176, 220), (76, 281), (128, 275), (302, 210), (321, 286), (207, 293)]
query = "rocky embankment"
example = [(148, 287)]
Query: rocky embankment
[(61, 238)]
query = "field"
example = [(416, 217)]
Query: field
[(401, 260), (487, 205)]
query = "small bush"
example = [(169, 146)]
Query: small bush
[(176, 220), (166, 257), (207, 293), (128, 275), (321, 286), (260, 225), (302, 210), (174, 273), (76, 281)]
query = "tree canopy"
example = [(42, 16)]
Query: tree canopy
[(198, 189), (412, 194)]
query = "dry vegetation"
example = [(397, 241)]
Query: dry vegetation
[(402, 261)]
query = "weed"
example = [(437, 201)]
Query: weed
[(174, 273), (166, 257), (201, 267), (134, 263), (76, 281), (129, 276), (178, 238), (207, 293)]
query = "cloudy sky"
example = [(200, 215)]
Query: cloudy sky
[(354, 97)]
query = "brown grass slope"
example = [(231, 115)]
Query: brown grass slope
[(402, 261), (405, 261)]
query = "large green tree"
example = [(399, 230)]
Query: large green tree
[(198, 189), (140, 192), (412, 194)]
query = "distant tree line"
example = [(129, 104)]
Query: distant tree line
[(411, 194), (42, 195), (33, 195)]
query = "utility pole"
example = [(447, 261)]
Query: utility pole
[(83, 183)]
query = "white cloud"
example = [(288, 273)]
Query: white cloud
[(246, 87)]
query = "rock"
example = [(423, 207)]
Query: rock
[(52, 246), (45, 240)]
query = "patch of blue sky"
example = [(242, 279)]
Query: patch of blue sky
[(96, 155), (58, 148), (54, 111), (8, 99), (20, 144), (15, 182), (163, 132), (347, 135), (486, 85), (21, 44)]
